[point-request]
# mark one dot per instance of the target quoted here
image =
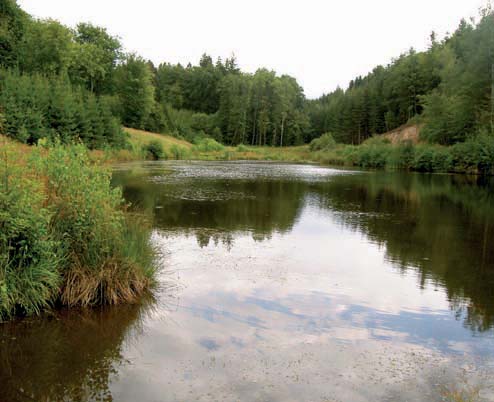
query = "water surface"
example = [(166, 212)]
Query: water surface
[(283, 283)]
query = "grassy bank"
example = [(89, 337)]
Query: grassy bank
[(65, 237), (146, 145), (474, 156)]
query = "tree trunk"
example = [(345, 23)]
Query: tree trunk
[(282, 130), (254, 128)]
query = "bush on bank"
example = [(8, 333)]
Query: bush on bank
[(64, 234), (476, 155)]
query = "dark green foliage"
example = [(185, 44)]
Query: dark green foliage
[(383, 100), (45, 48), (476, 155), (373, 156), (262, 109), (324, 143), (449, 118), (94, 58), (12, 28), (154, 150), (134, 86), (36, 107), (447, 89), (432, 159), (231, 107), (42, 97), (449, 86), (403, 156)]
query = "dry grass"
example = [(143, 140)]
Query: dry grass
[(22, 150), (403, 133), (140, 138), (117, 281)]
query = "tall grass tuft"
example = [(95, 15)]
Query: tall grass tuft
[(90, 224), (65, 235), (29, 257)]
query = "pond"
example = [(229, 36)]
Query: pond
[(283, 282)]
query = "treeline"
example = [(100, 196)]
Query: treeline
[(36, 107), (448, 89), (231, 106), (56, 83), (79, 83)]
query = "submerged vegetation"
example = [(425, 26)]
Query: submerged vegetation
[(65, 235)]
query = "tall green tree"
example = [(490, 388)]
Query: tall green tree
[(134, 87)]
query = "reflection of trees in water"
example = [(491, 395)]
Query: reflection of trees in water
[(68, 356), (257, 207), (442, 225)]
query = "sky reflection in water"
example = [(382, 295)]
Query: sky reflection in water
[(301, 283)]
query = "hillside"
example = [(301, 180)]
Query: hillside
[(141, 137), (403, 133), (177, 149), (207, 149)]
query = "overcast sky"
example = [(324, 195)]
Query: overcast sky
[(323, 43)]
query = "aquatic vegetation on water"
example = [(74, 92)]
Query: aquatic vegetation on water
[(465, 394)]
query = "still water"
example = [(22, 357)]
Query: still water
[(283, 283)]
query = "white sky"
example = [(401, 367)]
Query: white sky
[(323, 43)]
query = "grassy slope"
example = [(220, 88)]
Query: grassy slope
[(139, 138)]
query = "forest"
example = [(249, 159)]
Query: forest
[(79, 83)]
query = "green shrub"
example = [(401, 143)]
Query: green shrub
[(423, 160), (154, 150), (207, 145), (474, 155), (65, 235), (89, 222), (402, 156), (430, 158), (29, 256), (373, 156), (324, 143), (441, 160), (242, 148)]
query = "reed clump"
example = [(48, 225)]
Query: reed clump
[(66, 236)]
